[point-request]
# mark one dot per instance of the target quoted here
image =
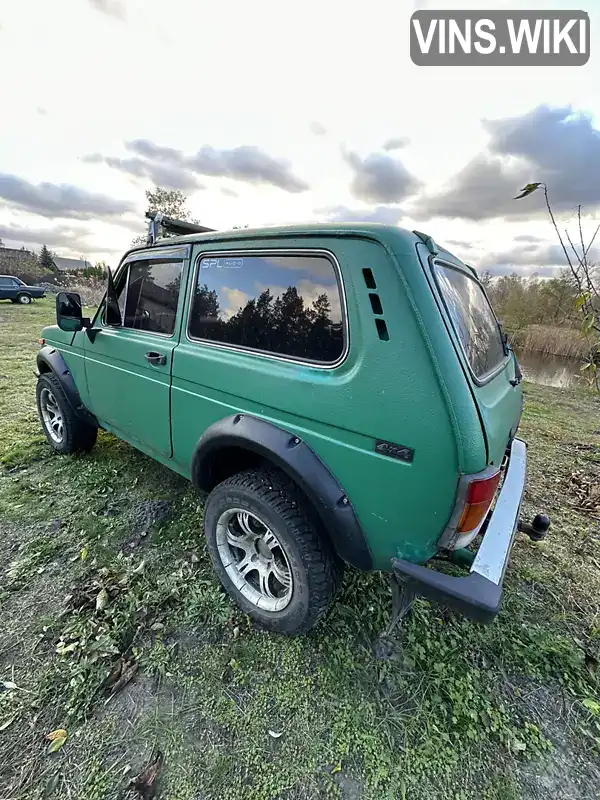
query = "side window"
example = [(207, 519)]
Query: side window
[(6, 282), (289, 305), (148, 293)]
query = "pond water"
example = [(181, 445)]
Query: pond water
[(549, 370)]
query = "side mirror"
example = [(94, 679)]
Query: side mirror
[(69, 315)]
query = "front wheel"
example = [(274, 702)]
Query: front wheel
[(64, 430), (24, 299), (268, 552)]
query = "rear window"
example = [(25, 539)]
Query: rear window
[(473, 319)]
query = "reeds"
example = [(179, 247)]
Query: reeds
[(551, 340)]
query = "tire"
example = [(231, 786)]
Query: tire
[(268, 504), (71, 435), (24, 299)]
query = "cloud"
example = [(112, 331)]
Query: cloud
[(310, 292), (228, 192), (388, 215), (527, 237), (554, 145), (541, 258), (461, 243), (379, 178), (319, 267), (318, 129), (236, 299), (114, 8), (245, 163), (146, 148), (497, 270), (59, 200), (166, 175), (395, 143), (56, 236)]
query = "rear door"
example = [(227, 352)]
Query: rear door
[(8, 288), (487, 361), (128, 367)]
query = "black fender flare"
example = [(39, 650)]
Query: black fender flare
[(298, 460), (49, 359)]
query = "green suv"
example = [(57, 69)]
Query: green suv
[(343, 393)]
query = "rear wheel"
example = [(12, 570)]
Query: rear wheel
[(64, 430), (266, 547), (24, 299)]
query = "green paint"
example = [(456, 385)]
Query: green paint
[(412, 390)]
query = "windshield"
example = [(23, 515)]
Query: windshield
[(473, 319)]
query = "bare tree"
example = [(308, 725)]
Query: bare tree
[(585, 276)]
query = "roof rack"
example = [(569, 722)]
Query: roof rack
[(177, 227)]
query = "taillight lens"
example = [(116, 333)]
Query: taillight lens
[(480, 494)]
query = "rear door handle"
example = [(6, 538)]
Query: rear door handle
[(158, 359)]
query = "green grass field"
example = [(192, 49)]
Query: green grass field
[(103, 568)]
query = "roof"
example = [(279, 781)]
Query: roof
[(70, 264), (15, 250), (373, 230), (400, 239)]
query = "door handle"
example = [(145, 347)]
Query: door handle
[(158, 359)]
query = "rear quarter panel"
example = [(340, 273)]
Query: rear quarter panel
[(383, 390), (498, 403)]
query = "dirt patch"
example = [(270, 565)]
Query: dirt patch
[(23, 614), (350, 789), (572, 770), (145, 516), (150, 513), (585, 490)]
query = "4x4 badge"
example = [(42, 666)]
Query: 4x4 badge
[(394, 450)]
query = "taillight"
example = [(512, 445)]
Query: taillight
[(479, 499), (42, 341)]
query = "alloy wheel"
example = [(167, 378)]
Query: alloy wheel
[(254, 559), (52, 416)]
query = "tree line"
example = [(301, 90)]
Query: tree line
[(282, 324), (519, 301)]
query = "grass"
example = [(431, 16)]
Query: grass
[(103, 569)]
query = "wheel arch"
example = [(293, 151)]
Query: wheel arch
[(50, 360), (242, 441)]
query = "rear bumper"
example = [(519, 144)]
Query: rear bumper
[(479, 594)]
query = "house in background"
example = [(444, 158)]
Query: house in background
[(13, 260), (70, 264), (20, 262)]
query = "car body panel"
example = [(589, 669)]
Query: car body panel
[(377, 393)]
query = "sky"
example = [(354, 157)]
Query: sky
[(266, 112), (238, 280)]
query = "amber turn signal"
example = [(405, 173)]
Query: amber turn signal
[(479, 499)]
